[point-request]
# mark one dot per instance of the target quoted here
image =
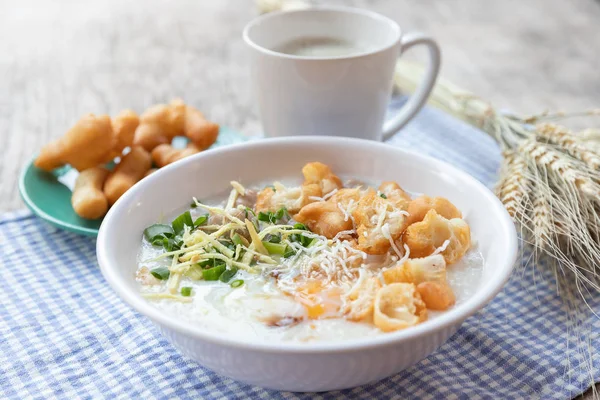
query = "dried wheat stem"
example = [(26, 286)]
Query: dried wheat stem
[(545, 116), (514, 185), (542, 218), (561, 136)]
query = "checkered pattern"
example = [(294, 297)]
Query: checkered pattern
[(65, 334)]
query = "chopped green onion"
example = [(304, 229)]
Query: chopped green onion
[(305, 240), (213, 274), (161, 273), (237, 239), (383, 196), (201, 220), (155, 230), (228, 274), (237, 283), (265, 217), (230, 245), (211, 262), (158, 241), (272, 217), (312, 242), (168, 243), (280, 213), (182, 220), (275, 248), (273, 238), (289, 251), (248, 211), (186, 291)]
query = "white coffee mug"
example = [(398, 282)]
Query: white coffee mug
[(336, 95)]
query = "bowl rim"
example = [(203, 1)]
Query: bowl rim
[(449, 318)]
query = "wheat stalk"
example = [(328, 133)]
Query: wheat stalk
[(549, 183)]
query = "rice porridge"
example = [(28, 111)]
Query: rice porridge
[(318, 261)]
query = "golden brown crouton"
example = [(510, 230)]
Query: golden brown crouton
[(394, 193), (345, 196), (324, 218), (417, 270), (423, 238), (375, 216), (436, 295), (398, 306), (422, 204), (293, 199), (429, 274), (360, 301), (319, 173)]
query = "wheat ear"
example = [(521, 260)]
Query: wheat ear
[(562, 137)]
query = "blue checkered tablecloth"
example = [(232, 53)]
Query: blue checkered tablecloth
[(65, 334)]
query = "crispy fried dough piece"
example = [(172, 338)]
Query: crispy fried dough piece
[(199, 130), (87, 144), (394, 193), (127, 173), (159, 124), (429, 274), (398, 306), (376, 218), (423, 238), (436, 295), (324, 218), (419, 207), (319, 173), (169, 117), (166, 154), (417, 270), (346, 197), (124, 126), (149, 136), (360, 301), (88, 199), (293, 199)]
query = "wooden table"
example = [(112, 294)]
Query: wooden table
[(61, 59)]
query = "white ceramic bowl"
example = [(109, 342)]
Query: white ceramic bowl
[(304, 366)]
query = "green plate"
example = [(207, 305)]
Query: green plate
[(48, 194)]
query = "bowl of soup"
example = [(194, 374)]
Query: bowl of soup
[(309, 263)]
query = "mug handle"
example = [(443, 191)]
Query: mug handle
[(419, 97)]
